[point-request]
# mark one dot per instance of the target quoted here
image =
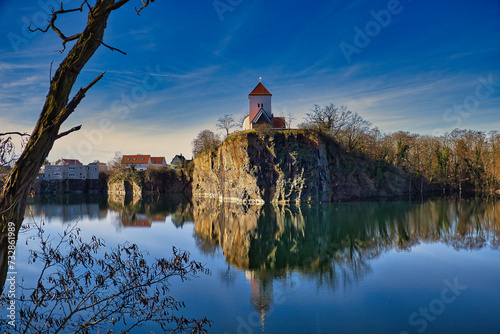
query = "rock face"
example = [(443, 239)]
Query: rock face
[(124, 188), (289, 166), (44, 187)]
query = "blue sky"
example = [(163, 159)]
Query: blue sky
[(420, 66)]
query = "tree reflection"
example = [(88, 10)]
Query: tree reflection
[(335, 242)]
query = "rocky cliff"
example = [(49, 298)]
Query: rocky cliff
[(290, 166)]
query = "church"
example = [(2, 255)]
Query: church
[(260, 113)]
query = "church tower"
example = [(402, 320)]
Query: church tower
[(260, 98), (260, 112)]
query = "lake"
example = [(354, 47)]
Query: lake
[(366, 267)]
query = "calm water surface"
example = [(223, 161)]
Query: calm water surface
[(371, 267)]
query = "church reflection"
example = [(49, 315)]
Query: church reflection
[(334, 243), (330, 244), (261, 293)]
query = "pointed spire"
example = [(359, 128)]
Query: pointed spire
[(260, 90)]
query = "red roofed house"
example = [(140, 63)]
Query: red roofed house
[(260, 112), (69, 162), (158, 162), (139, 161)]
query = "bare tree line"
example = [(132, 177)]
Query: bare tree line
[(453, 160)]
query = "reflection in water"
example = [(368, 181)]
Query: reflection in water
[(313, 238), (144, 211), (132, 211), (334, 243), (331, 244), (68, 208), (261, 293)]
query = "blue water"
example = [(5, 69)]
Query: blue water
[(368, 267)]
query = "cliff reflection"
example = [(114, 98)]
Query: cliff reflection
[(338, 240), (334, 243), (67, 208), (144, 211)]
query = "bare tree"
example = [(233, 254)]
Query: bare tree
[(329, 119), (82, 289), (206, 141), (227, 122), (354, 131), (116, 161), (8, 147), (289, 118), (57, 108)]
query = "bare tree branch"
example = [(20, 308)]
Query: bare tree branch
[(57, 30), (112, 48), (117, 4), (65, 133), (14, 133), (71, 106), (144, 5)]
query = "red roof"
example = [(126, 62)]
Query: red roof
[(71, 162), (135, 159), (157, 160), (278, 122), (260, 90), (129, 222)]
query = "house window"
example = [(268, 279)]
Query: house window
[(135, 159), (128, 159), (142, 159), (71, 174)]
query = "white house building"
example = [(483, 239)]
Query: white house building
[(143, 161), (72, 169), (94, 169), (260, 110), (139, 161)]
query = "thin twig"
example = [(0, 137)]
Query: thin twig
[(144, 5)]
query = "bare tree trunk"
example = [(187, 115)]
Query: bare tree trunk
[(55, 111)]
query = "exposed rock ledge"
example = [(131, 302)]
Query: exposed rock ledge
[(289, 166)]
